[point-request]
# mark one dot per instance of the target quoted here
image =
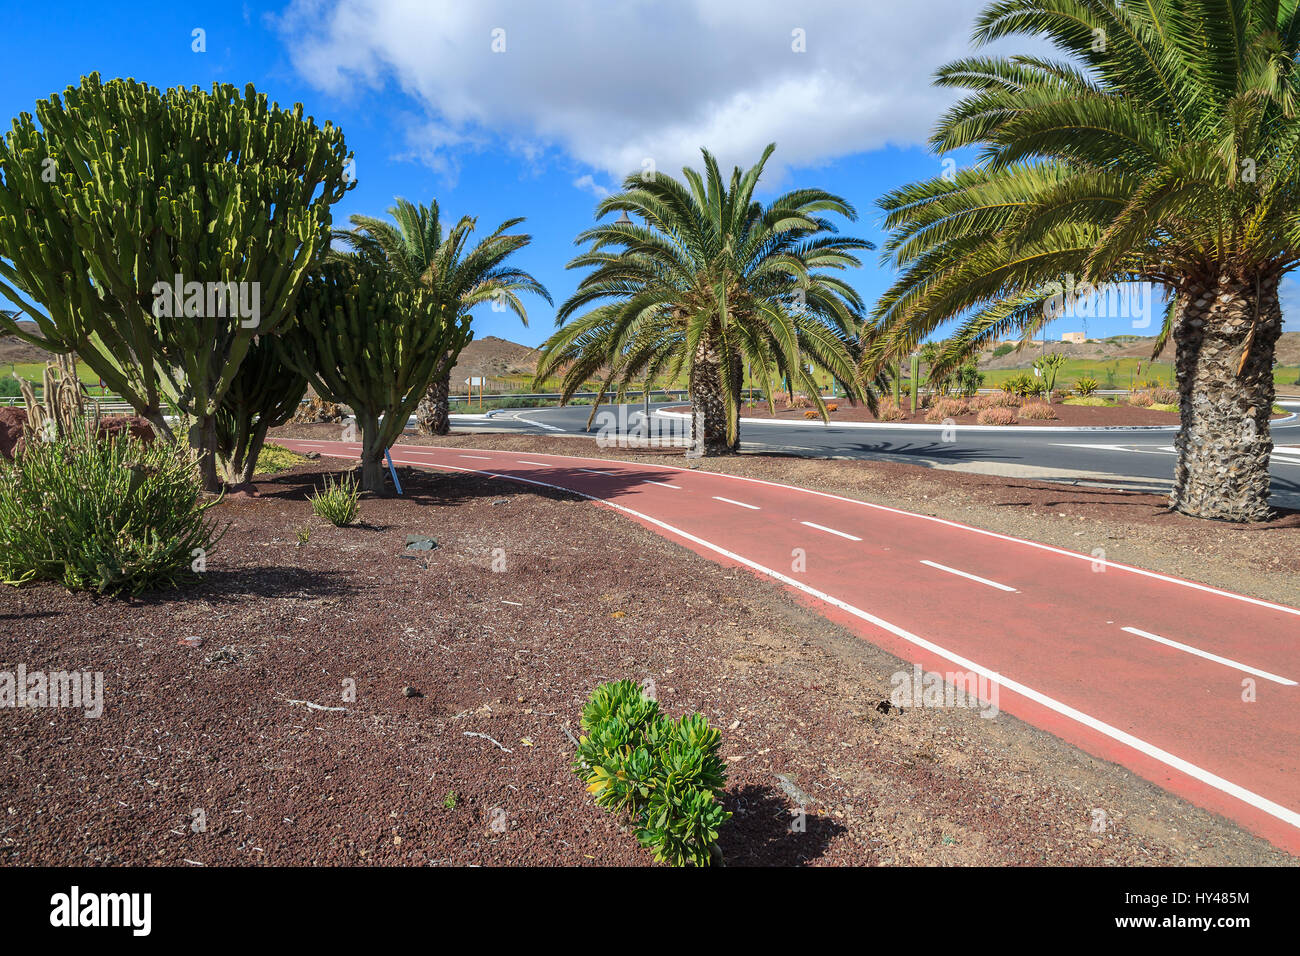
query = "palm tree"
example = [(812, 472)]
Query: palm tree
[(712, 277), (1162, 149), (413, 245)]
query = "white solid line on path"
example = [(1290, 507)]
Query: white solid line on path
[(479, 457), (741, 503), (1208, 656), (661, 484), (967, 574), (539, 464), (593, 471), (1223, 785), (822, 527)]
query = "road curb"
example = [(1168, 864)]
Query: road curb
[(1022, 429)]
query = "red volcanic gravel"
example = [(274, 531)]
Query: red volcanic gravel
[(244, 747)]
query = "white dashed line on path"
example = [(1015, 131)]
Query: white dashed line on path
[(661, 484), (1208, 656), (479, 457), (967, 574), (821, 527), (740, 503)]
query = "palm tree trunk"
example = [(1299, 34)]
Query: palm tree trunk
[(432, 416), (708, 404), (1225, 400), (737, 397)]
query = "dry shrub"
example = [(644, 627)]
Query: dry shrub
[(800, 401), (1039, 411), (811, 414), (832, 407), (1141, 399), (947, 408), (1164, 396), (889, 412), (1004, 400), (781, 398), (997, 415)]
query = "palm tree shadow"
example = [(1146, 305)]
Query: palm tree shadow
[(765, 830)]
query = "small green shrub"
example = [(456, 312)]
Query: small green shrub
[(276, 458), (1006, 348), (337, 502), (1086, 386), (9, 387), (665, 775), (109, 516)]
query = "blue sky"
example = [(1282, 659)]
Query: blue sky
[(532, 109)]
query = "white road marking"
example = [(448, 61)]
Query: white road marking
[(1285, 814), (967, 574), (519, 417), (540, 464), (822, 527), (1208, 656), (593, 471), (741, 503), (661, 484), (479, 457)]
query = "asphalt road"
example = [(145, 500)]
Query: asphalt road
[(1125, 458), (1133, 666)]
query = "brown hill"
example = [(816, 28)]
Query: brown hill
[(495, 359), (14, 351), (1116, 347)]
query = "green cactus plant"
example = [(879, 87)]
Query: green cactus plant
[(264, 394), (118, 194), (366, 339)]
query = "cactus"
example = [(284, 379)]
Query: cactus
[(118, 194), (370, 341), (265, 393), (62, 405)]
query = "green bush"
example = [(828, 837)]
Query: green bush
[(337, 501), (9, 387), (665, 775), (1086, 386), (1006, 348), (109, 516)]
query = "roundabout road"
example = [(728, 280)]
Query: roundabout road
[(1129, 458)]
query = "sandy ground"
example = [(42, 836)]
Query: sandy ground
[(476, 768)]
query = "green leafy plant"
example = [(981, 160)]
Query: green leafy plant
[(1086, 386), (1049, 366), (303, 534), (665, 775), (109, 516), (1006, 348), (337, 502)]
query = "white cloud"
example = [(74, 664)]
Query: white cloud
[(589, 184), (613, 84)]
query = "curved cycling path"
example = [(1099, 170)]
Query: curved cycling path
[(1193, 688)]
